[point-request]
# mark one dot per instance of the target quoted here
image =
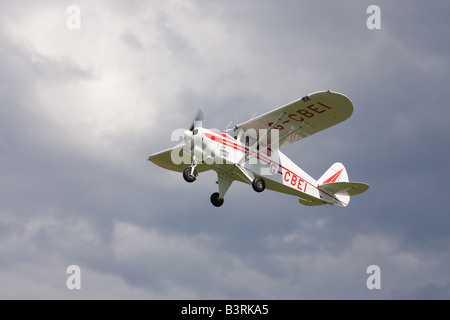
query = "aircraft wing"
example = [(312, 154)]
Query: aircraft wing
[(164, 160), (304, 117)]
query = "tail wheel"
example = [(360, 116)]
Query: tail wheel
[(259, 184), (190, 175), (216, 200)]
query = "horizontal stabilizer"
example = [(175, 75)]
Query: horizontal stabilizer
[(344, 188)]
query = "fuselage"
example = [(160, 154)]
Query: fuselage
[(280, 173)]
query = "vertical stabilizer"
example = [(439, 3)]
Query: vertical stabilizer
[(336, 173)]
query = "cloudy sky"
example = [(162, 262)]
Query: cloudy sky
[(81, 110)]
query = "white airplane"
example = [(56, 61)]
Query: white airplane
[(250, 152)]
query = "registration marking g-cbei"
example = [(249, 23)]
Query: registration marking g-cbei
[(295, 180), (302, 115)]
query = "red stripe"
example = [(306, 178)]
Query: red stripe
[(334, 177)]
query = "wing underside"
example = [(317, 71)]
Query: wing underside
[(165, 159), (302, 118)]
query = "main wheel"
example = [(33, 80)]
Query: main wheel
[(259, 184), (215, 200), (188, 176)]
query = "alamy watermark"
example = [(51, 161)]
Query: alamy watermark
[(74, 280), (374, 20), (215, 147), (73, 22), (374, 280)]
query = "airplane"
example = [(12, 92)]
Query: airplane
[(250, 152)]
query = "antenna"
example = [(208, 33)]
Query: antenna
[(253, 115), (228, 125)]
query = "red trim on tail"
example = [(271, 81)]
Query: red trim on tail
[(334, 177)]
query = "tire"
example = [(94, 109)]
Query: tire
[(215, 200), (188, 176), (259, 185)]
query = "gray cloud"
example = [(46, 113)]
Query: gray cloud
[(432, 291)]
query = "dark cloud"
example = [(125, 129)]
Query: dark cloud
[(432, 291)]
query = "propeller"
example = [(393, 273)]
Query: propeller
[(188, 134), (198, 118)]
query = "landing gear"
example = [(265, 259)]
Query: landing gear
[(216, 200), (190, 174), (259, 184)]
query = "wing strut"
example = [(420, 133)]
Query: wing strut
[(244, 173), (281, 140), (255, 145)]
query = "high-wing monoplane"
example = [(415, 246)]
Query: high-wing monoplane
[(250, 152)]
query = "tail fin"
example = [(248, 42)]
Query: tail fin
[(336, 173), (335, 187)]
